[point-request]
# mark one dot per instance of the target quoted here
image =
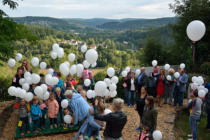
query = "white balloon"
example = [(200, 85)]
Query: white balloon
[(110, 72), (71, 57), (35, 78), (112, 87), (11, 62), (196, 30), (94, 65), (67, 63), (127, 69), (44, 87), (11, 90), (22, 81), (201, 93), (107, 81), (83, 48), (107, 111), (35, 61), (29, 96), (55, 47), (29, 80), (113, 94), (176, 75), (89, 94), (50, 71), (64, 103), (64, 69), (167, 66), (124, 73), (87, 82), (46, 95), (48, 79), (27, 74), (18, 56), (157, 135), (91, 56), (100, 87), (182, 65), (54, 81), (168, 77), (154, 63), (201, 88), (93, 94), (86, 64), (194, 86), (53, 55), (43, 65), (115, 79), (194, 79), (60, 53), (22, 93), (18, 92), (73, 69), (26, 86), (206, 90), (38, 91), (106, 93), (67, 119), (80, 68), (200, 80), (137, 72)]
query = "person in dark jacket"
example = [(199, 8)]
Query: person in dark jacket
[(17, 77), (140, 103), (115, 121), (150, 114), (125, 86), (131, 86), (23, 115), (59, 97), (207, 102), (141, 80)]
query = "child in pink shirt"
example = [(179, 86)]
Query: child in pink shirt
[(53, 108), (145, 134)]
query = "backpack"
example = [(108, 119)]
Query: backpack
[(145, 138)]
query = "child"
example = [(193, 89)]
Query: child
[(23, 115), (53, 108), (60, 83), (43, 108), (59, 98), (83, 94), (145, 134), (33, 86), (36, 113), (66, 112), (79, 88)]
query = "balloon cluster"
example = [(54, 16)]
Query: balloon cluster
[(21, 93), (12, 62), (57, 51), (197, 83)]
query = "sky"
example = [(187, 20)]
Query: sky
[(113, 9)]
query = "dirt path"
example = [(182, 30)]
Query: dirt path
[(166, 117)]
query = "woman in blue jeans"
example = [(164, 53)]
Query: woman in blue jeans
[(125, 79), (131, 85)]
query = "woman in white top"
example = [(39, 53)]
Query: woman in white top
[(131, 85)]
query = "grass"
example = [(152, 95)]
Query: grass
[(182, 126)]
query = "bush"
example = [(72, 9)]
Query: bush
[(100, 76), (205, 68)]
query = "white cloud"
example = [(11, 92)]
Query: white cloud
[(93, 8)]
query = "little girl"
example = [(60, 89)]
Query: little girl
[(43, 108), (23, 115), (145, 134), (53, 108), (36, 113)]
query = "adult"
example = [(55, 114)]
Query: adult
[(149, 118), (160, 86), (115, 121), (195, 105), (125, 86), (26, 66), (140, 103), (169, 88), (207, 102), (131, 85), (141, 80), (70, 81), (206, 84), (17, 77), (183, 79)]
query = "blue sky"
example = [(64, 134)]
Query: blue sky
[(92, 8)]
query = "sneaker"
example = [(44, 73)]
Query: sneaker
[(51, 126), (138, 129), (22, 134)]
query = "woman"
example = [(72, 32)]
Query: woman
[(170, 85), (150, 114), (125, 86), (131, 86), (26, 66), (115, 121), (17, 77), (140, 103), (160, 86)]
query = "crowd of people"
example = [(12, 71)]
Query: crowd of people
[(144, 92)]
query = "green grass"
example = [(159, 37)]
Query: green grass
[(182, 126)]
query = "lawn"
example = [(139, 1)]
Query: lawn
[(182, 126)]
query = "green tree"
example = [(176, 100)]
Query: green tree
[(187, 11)]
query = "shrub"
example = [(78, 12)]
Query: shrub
[(205, 68)]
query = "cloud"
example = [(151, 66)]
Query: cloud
[(93, 8)]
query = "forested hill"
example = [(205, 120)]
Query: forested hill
[(95, 23)]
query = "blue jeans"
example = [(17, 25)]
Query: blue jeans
[(24, 122), (131, 97), (126, 95), (169, 91), (193, 127), (36, 124), (91, 132), (176, 96)]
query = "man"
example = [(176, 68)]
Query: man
[(141, 80), (207, 102), (183, 79)]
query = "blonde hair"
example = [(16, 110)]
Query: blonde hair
[(79, 88), (58, 89), (118, 104), (171, 71), (35, 98)]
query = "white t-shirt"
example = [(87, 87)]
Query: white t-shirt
[(132, 85)]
